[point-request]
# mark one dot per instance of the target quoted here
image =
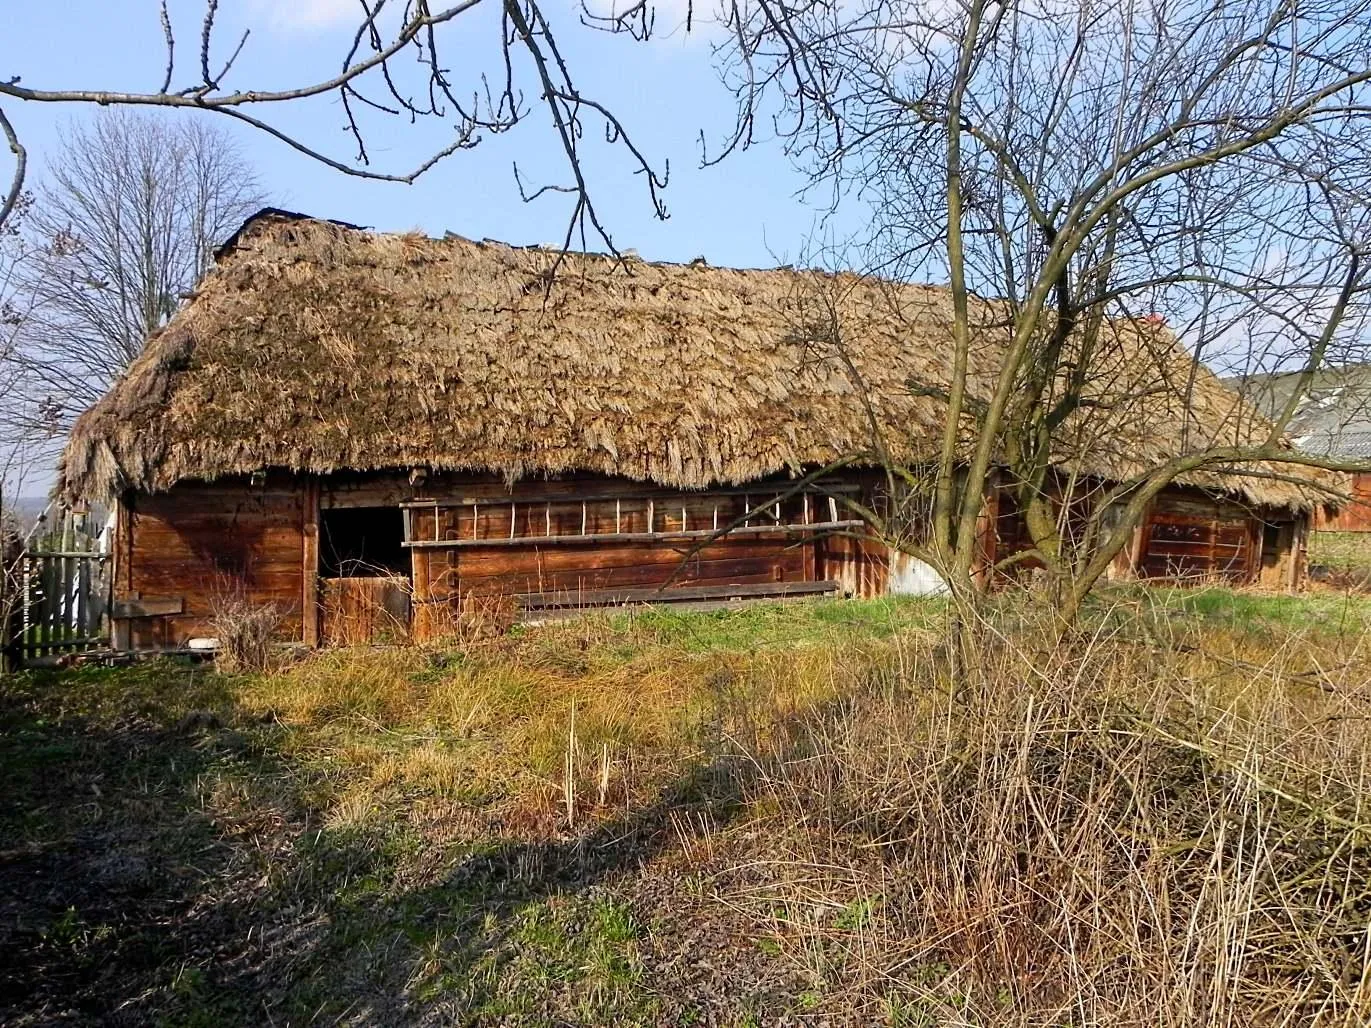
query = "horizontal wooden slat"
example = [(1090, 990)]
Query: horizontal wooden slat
[(1193, 546), (748, 569), (148, 608), (501, 559), (655, 537), (761, 493)]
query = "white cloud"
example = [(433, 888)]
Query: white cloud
[(306, 15)]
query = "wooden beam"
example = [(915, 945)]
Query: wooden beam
[(1137, 546), (1299, 533), (628, 494), (148, 608), (421, 597), (988, 529), (1254, 549), (121, 567), (538, 540), (309, 572), (73, 554)]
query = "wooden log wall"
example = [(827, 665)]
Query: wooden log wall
[(1189, 536), (450, 580), (258, 540), (1186, 536), (202, 544), (859, 563)]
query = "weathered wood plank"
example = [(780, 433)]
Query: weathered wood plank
[(365, 610), (81, 554), (148, 608), (478, 561), (789, 567)]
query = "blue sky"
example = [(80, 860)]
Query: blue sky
[(745, 212)]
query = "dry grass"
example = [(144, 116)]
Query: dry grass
[(572, 719), (1105, 833), (246, 632), (1161, 822)]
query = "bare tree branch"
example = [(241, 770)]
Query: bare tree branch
[(21, 164), (371, 79)]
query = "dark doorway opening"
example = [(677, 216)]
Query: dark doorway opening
[(362, 542), (1271, 544)]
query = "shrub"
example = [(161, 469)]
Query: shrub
[(245, 631)]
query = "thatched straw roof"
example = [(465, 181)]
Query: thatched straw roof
[(315, 346)]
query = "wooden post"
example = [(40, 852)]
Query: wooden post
[(1255, 546), (1295, 559), (309, 574), (1137, 546), (809, 544), (421, 593), (121, 573), (988, 531)]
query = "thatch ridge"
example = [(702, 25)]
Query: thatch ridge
[(315, 346)]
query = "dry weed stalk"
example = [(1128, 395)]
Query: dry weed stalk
[(245, 631), (1097, 833), (569, 778)]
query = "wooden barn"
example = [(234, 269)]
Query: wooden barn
[(378, 432)]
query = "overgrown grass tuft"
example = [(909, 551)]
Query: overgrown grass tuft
[(1126, 828)]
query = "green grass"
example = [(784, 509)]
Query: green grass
[(1347, 552), (812, 622), (1330, 610)]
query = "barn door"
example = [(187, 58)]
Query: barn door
[(1195, 547)]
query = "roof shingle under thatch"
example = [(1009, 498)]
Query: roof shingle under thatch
[(315, 346)]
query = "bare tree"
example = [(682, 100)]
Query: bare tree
[(19, 453), (394, 67), (122, 227), (1086, 164)]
